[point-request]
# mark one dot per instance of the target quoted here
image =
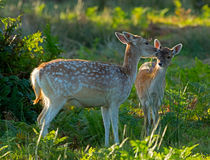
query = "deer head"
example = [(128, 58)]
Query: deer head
[(139, 45), (165, 54)]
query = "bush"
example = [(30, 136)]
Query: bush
[(19, 55), (15, 99)]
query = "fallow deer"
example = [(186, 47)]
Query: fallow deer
[(86, 83), (150, 83)]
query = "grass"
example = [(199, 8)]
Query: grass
[(76, 138), (83, 32)]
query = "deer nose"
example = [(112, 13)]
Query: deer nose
[(160, 64)]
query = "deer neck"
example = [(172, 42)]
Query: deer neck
[(159, 72), (130, 63)]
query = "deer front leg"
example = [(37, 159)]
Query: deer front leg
[(106, 120), (113, 112)]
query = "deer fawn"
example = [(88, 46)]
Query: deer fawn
[(85, 83), (150, 83)]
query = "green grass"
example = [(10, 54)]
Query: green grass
[(81, 134)]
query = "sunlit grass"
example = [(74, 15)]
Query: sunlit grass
[(180, 21), (113, 17)]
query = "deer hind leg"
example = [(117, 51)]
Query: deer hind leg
[(114, 113), (153, 116), (106, 120), (156, 115), (41, 115), (45, 101), (155, 109), (147, 118), (50, 112)]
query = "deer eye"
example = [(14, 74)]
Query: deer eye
[(146, 43), (168, 57)]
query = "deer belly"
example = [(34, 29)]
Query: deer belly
[(87, 97)]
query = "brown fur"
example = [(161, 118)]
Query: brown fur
[(145, 77), (150, 84)]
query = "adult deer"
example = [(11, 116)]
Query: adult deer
[(85, 83), (150, 83)]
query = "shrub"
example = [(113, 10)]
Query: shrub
[(19, 55), (15, 99)]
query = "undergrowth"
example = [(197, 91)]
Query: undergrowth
[(26, 143)]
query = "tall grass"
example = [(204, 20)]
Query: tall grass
[(32, 146)]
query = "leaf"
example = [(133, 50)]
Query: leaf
[(5, 90)]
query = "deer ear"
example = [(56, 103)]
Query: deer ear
[(129, 36), (176, 49), (157, 44), (121, 37)]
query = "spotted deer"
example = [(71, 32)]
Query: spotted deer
[(86, 83), (150, 83)]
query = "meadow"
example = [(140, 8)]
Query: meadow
[(32, 32)]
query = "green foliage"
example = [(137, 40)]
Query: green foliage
[(2, 3), (5, 154), (25, 144), (32, 43), (186, 99), (15, 99), (144, 149), (139, 17), (92, 12), (51, 46), (198, 79), (10, 44), (192, 97), (119, 18), (206, 11), (19, 55), (16, 52), (39, 8), (83, 126)]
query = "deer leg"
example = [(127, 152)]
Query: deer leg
[(156, 114), (113, 112), (106, 120), (145, 110), (148, 120), (55, 106), (153, 110), (41, 115)]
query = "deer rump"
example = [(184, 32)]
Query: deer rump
[(80, 83)]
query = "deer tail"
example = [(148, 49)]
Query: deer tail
[(35, 85)]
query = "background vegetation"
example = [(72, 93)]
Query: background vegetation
[(32, 32)]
